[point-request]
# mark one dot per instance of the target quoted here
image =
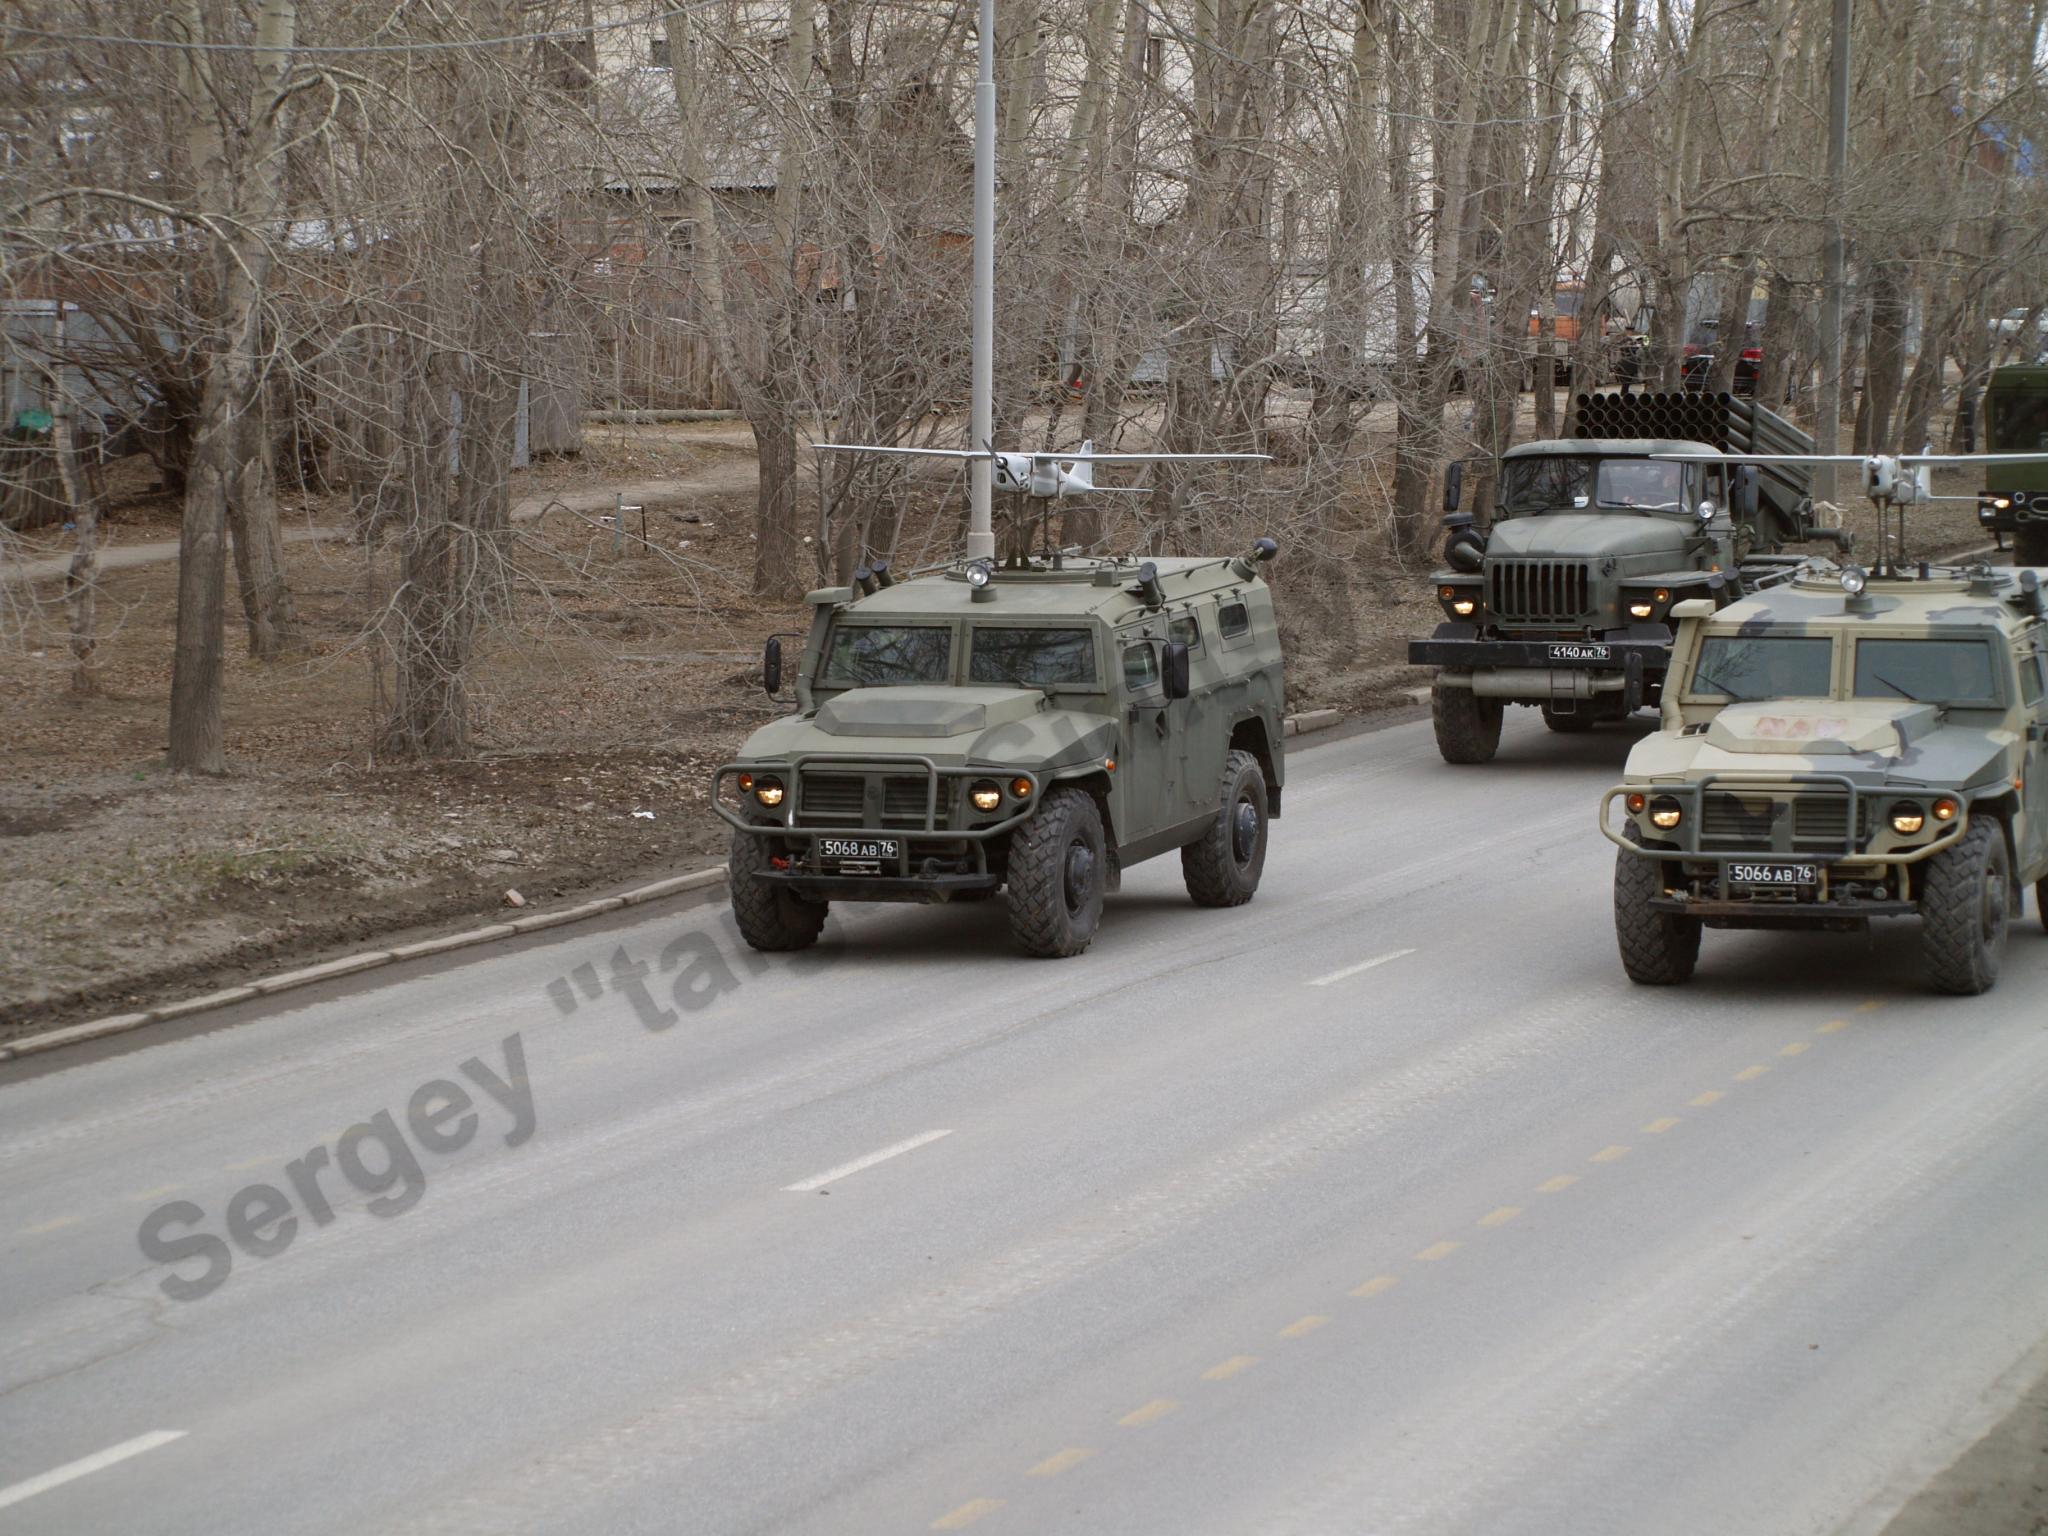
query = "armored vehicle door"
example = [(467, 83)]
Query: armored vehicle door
[(1204, 726), (1152, 779), (2032, 659)]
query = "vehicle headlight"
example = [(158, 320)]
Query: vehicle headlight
[(1641, 610), (1854, 579), (1946, 809), (1666, 812), (768, 791), (1908, 818), (986, 796), (1464, 607)]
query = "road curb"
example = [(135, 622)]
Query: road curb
[(1306, 723)]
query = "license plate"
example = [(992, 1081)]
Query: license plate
[(869, 849), (1778, 875), (1572, 650)]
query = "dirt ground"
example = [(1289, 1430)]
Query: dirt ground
[(624, 675)]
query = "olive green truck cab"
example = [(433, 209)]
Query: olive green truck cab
[(1564, 601), (2015, 498), (1035, 727), (1838, 749)]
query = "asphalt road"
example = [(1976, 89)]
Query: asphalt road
[(1384, 1204)]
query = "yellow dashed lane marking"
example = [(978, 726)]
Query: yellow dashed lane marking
[(1870, 1007), (1711, 1096), (1436, 1251), (158, 1193), (1557, 1183), (1833, 1027), (1500, 1217), (254, 1162), (1151, 1413), (1750, 1074), (50, 1226), (1374, 1287), (1061, 1461), (966, 1514), (1659, 1127), (1796, 1048), (1301, 1327), (588, 1059), (1608, 1155), (1236, 1365)]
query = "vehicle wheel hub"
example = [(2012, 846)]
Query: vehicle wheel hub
[(1080, 875), (1244, 831)]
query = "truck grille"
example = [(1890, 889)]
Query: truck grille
[(1539, 591), (1732, 823), (840, 800), (903, 801)]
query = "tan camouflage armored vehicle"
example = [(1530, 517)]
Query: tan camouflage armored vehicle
[(1837, 749), (1034, 728)]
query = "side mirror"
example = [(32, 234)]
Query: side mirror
[(1746, 493), (771, 665), (1175, 663), (1454, 485)]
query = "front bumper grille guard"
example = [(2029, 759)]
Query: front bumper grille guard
[(791, 773)]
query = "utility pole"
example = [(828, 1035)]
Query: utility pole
[(1827, 431), (981, 538)]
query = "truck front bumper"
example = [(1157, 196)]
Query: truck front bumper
[(1544, 670)]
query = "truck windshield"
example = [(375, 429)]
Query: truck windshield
[(875, 655), (1748, 667), (1035, 657), (1560, 484), (2019, 422), (1927, 671)]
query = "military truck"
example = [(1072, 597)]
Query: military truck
[(1565, 601), (2014, 501), (1838, 749), (1034, 727)]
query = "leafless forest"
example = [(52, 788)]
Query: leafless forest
[(383, 252)]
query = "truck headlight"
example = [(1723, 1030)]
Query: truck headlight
[(1908, 818), (1666, 812), (768, 791), (1464, 607), (1641, 610), (986, 796)]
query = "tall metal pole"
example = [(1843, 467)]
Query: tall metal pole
[(1827, 431), (981, 538)]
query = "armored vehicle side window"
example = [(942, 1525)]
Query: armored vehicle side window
[(876, 655), (2019, 421), (1033, 656), (1746, 667), (1930, 671), (1188, 631), (2032, 668), (1233, 619), (1141, 667)]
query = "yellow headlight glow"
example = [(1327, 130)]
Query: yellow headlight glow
[(986, 797), (768, 791)]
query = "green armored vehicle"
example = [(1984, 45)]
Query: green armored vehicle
[(1838, 749), (2015, 501), (1034, 727), (1564, 602)]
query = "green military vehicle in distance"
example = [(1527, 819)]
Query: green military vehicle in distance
[(1564, 602), (1033, 727), (2015, 498), (1842, 748)]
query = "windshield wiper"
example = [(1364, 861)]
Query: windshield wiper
[(1895, 688), (1719, 686)]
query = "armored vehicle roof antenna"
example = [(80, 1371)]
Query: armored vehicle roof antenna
[(981, 538)]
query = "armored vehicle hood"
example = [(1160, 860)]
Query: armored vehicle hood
[(952, 726), (1881, 740), (1587, 535)]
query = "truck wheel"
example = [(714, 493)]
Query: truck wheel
[(770, 916), (1057, 863), (2030, 544), (1963, 916), (1223, 865), (1658, 949), (1467, 726), (1575, 724)]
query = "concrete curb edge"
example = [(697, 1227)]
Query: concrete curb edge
[(372, 959)]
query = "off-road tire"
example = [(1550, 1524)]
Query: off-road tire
[(1467, 726), (1658, 949), (1964, 916), (770, 916), (2030, 544), (1569, 725), (1055, 902), (1223, 865)]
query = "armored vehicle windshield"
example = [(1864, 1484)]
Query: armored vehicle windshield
[(1550, 484)]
